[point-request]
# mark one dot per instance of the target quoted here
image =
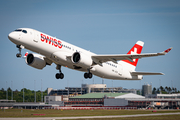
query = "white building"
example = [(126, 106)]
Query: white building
[(164, 96), (121, 100)]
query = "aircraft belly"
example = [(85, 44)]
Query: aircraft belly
[(105, 72)]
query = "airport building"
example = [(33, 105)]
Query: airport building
[(99, 95), (70, 92), (122, 100), (6, 104), (34, 105), (64, 97), (163, 96), (146, 89), (100, 99), (88, 88)]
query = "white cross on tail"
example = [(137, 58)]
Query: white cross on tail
[(134, 52)]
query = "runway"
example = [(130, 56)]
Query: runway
[(85, 117)]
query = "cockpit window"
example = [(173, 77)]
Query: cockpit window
[(24, 31), (20, 30)]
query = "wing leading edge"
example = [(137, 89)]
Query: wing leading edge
[(99, 59)]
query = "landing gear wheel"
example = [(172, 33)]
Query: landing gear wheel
[(59, 76), (88, 75), (85, 75), (18, 55)]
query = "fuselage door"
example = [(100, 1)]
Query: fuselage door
[(36, 36), (120, 70)]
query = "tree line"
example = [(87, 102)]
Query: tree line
[(165, 90), (29, 95)]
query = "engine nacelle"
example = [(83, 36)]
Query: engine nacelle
[(36, 61), (82, 59)]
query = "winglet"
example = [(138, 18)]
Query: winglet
[(166, 51)]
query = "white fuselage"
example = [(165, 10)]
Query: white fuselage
[(59, 52)]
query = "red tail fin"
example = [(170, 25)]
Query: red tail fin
[(136, 49)]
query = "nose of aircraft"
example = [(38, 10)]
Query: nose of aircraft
[(13, 37)]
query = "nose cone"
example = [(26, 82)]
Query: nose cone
[(13, 37)]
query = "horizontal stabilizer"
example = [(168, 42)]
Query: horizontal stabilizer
[(146, 73)]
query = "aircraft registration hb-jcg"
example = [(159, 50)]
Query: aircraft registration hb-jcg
[(116, 67)]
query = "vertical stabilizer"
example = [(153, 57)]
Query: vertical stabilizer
[(131, 64)]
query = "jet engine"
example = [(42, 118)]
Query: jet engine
[(36, 61), (82, 59)]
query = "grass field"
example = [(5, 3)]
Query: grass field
[(67, 113)]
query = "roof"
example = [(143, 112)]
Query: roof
[(99, 95), (169, 95), (151, 99), (34, 104), (130, 95)]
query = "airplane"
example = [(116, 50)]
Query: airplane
[(52, 50)]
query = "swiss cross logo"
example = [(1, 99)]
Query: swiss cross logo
[(136, 49), (134, 52)]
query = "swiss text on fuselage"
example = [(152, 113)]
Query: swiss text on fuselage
[(54, 42)]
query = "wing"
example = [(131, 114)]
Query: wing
[(99, 59)]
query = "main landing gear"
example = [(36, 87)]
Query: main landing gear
[(19, 48), (59, 75), (88, 74)]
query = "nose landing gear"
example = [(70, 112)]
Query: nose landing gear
[(18, 55)]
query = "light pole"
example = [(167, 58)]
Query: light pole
[(6, 91), (23, 91), (35, 91), (11, 90)]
